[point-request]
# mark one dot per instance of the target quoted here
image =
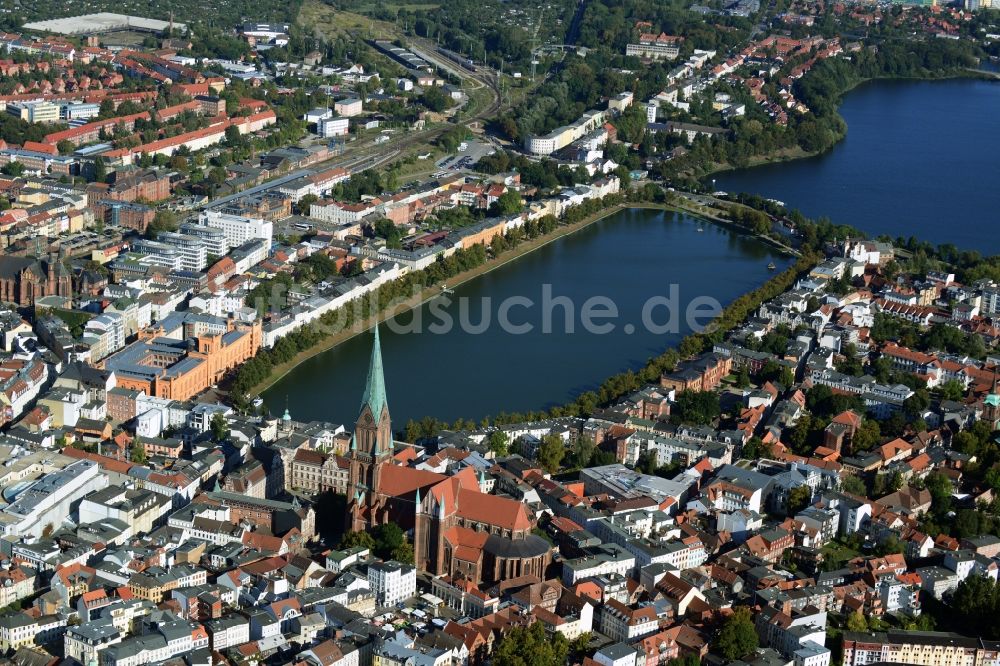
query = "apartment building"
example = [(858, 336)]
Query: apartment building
[(921, 648), (237, 229), (392, 582), (190, 249), (656, 47)]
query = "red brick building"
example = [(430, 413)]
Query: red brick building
[(121, 404), (701, 374), (23, 280)]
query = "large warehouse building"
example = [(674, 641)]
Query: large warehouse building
[(89, 24)]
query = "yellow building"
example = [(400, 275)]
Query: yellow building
[(20, 630), (921, 648)]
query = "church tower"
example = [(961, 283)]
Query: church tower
[(991, 405), (373, 432), (371, 445)]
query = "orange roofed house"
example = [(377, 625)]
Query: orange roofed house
[(457, 529)]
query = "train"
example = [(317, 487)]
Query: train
[(465, 63)]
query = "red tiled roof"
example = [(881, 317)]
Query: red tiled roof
[(396, 481), (492, 510)]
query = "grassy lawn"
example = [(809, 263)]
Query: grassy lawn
[(542, 533), (420, 168), (331, 22), (836, 551)]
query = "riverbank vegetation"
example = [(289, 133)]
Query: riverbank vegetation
[(257, 371), (623, 383), (913, 255), (753, 139)]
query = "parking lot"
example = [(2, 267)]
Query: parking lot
[(465, 159)]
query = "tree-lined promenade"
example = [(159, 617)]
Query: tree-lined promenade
[(414, 288)]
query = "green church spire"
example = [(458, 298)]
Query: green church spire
[(374, 395)]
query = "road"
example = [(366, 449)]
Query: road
[(573, 34)]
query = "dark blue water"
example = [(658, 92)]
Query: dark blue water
[(628, 258), (920, 158)]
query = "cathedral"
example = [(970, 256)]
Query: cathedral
[(23, 280), (456, 528)]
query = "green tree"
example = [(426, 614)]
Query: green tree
[(391, 544), (798, 499), (583, 451), (216, 176), (889, 546), (550, 453), (992, 479), (798, 437), (233, 137), (508, 203), (756, 448), (976, 602), (696, 407), (867, 436), (851, 363), (498, 442), (631, 124), (164, 220), (737, 638), (137, 453), (646, 463), (531, 646), (941, 492), (435, 99), (385, 228), (107, 109), (305, 202), (219, 427), (965, 442), (15, 169), (856, 622), (952, 390), (354, 539)]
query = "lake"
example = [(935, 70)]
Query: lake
[(919, 159), (625, 260)]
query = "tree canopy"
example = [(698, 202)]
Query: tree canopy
[(551, 452), (531, 646), (737, 638)]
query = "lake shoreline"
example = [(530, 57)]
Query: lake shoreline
[(683, 206), (786, 155), (279, 372), (871, 181)]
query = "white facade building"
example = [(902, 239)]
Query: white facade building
[(237, 229), (392, 582), (48, 502)]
